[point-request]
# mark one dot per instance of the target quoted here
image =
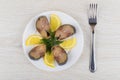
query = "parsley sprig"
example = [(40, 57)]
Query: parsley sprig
[(50, 42)]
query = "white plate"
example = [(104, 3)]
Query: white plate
[(75, 53)]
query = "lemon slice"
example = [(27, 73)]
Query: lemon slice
[(54, 22), (33, 39), (69, 43), (49, 60)]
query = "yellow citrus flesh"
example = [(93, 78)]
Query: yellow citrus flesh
[(54, 22), (69, 43), (33, 40), (49, 60)]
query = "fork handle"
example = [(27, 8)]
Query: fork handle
[(92, 65)]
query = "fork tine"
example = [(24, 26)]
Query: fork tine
[(94, 11), (95, 7)]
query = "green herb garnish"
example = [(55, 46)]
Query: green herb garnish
[(50, 42)]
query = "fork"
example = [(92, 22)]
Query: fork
[(92, 19)]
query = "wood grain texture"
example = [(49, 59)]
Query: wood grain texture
[(15, 14)]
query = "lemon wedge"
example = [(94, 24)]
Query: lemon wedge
[(55, 22), (49, 60), (33, 39), (69, 43)]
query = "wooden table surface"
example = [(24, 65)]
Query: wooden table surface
[(15, 14)]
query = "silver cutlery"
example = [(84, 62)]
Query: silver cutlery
[(92, 19)]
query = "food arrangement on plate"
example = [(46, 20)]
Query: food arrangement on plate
[(53, 42)]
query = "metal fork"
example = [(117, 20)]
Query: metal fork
[(92, 22)]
